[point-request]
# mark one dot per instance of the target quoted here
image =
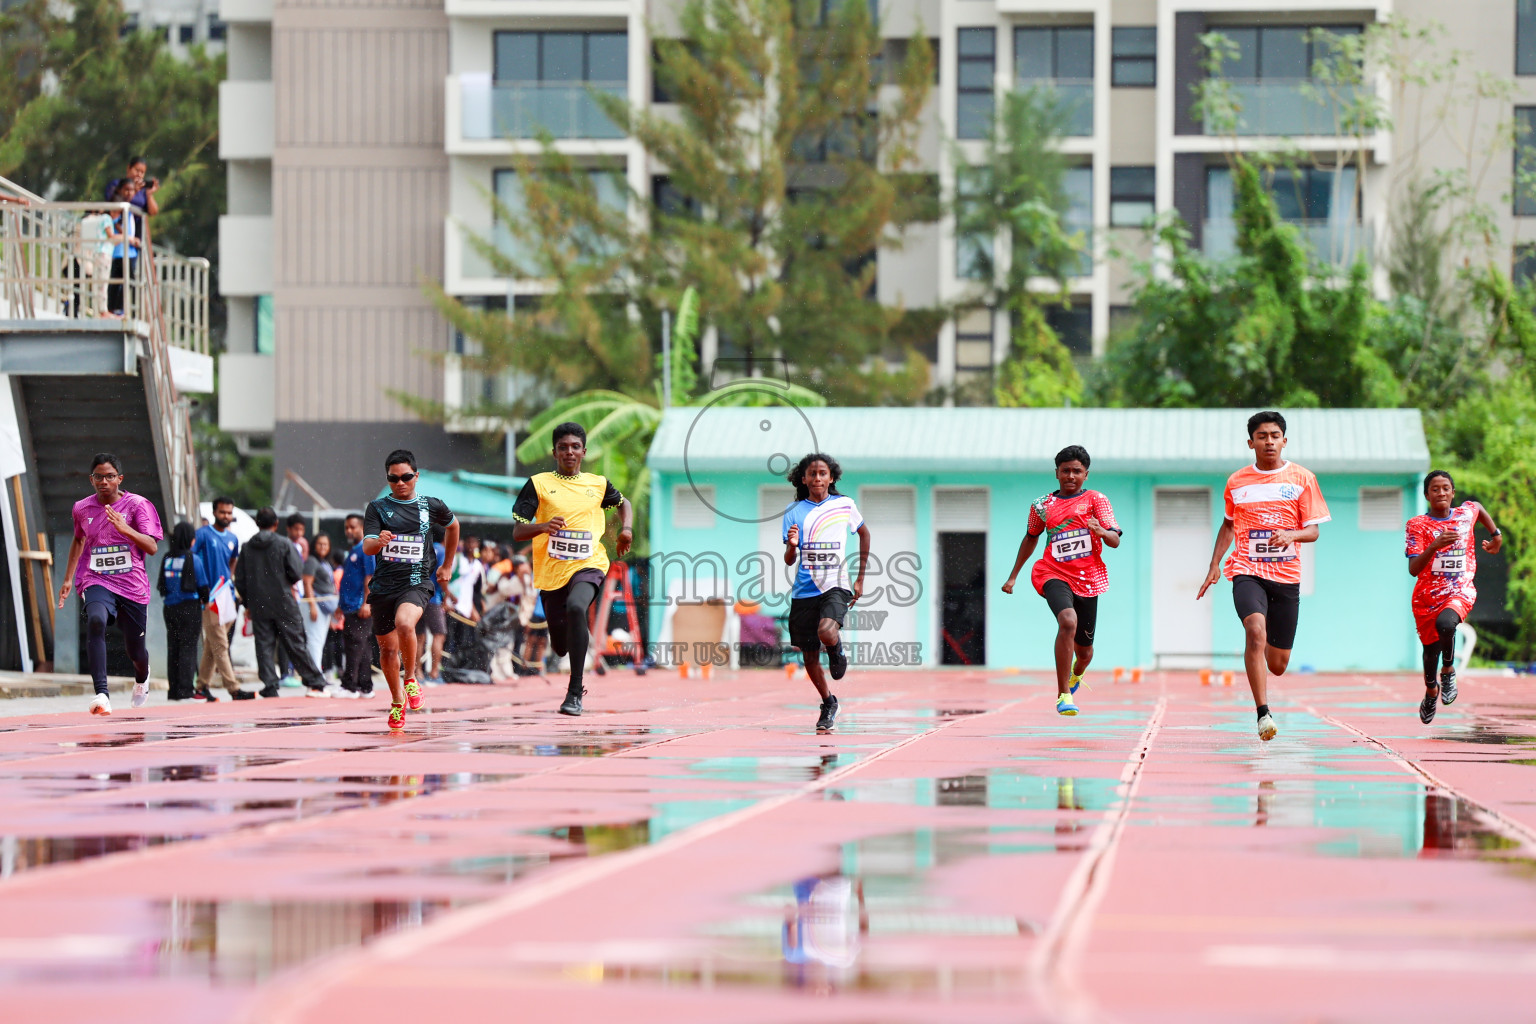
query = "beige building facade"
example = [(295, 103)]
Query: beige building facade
[(363, 137)]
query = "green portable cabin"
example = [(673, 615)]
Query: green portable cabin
[(946, 495)]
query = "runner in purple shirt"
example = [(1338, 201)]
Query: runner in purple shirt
[(114, 530)]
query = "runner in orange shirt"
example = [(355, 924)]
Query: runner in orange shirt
[(1272, 506)]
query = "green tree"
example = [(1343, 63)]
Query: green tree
[(1014, 198), (88, 97), (789, 167), (1269, 327)]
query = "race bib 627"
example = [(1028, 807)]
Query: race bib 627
[(1261, 547)]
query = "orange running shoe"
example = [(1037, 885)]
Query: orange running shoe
[(413, 695), (396, 717)]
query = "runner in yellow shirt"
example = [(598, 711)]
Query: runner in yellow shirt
[(564, 513)]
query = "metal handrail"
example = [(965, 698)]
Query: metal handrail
[(50, 270)]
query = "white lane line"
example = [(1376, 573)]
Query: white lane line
[(1516, 828), (292, 1003), (1053, 965)]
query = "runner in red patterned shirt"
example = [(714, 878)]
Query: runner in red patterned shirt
[(1070, 575), (1442, 554)]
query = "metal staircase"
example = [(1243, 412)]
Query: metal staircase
[(83, 380)]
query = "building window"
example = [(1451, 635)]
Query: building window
[(973, 341), (184, 33), (216, 28), (659, 93), (1061, 60), (130, 25), (265, 332), (1524, 270), (1301, 194), (562, 57), (976, 64), (1525, 37), (1073, 325), (608, 185), (1133, 57), (816, 13), (894, 58), (973, 249), (1077, 182), (1132, 196), (1525, 162), (670, 200), (1278, 52)]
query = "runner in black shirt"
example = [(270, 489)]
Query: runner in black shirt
[(400, 529)]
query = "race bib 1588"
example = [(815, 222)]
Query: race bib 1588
[(1262, 549), (1450, 562), (1069, 545), (405, 547), (570, 545), (111, 560)]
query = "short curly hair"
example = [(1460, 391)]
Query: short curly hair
[(1074, 452)]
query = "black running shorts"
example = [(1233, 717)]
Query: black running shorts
[(384, 606), (1060, 597), (1279, 603), (806, 613)]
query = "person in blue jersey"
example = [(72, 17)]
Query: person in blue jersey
[(400, 531), (184, 593), (217, 548), (816, 529)]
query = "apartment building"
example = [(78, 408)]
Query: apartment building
[(183, 22), (363, 137)]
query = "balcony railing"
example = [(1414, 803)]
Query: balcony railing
[(1336, 242), (524, 110), (1075, 96), (1289, 106)]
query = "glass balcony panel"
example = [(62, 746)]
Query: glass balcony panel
[(1289, 106), (521, 110), (1335, 242), (1075, 95)]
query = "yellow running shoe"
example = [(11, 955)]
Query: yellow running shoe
[(1064, 705), (396, 717), (1073, 683)]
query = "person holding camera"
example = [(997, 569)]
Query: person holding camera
[(144, 197)]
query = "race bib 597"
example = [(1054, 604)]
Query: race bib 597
[(570, 545), (111, 560), (405, 547), (1261, 547)]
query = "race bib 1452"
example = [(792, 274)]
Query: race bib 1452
[(404, 547), (111, 560)]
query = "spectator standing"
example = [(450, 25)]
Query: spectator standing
[(356, 630), (217, 549), (268, 568), (145, 188), (125, 250), (319, 597), (184, 594), (467, 602)]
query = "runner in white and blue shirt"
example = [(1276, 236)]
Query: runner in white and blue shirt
[(816, 529)]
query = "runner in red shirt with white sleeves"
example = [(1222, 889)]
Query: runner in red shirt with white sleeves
[(1071, 574), (1272, 506)]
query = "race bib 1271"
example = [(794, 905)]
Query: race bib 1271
[(1069, 545), (1261, 547), (405, 547), (111, 560), (570, 545)]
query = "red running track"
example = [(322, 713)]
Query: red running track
[(693, 852)]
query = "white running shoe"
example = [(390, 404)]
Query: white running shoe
[(1267, 728), (340, 692), (101, 705), (140, 694)]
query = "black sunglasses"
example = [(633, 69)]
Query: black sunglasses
[(399, 478)]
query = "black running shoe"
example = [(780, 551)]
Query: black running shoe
[(1427, 706), (572, 705), (241, 695), (837, 661), (269, 691), (1448, 686), (828, 713), (206, 695)]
